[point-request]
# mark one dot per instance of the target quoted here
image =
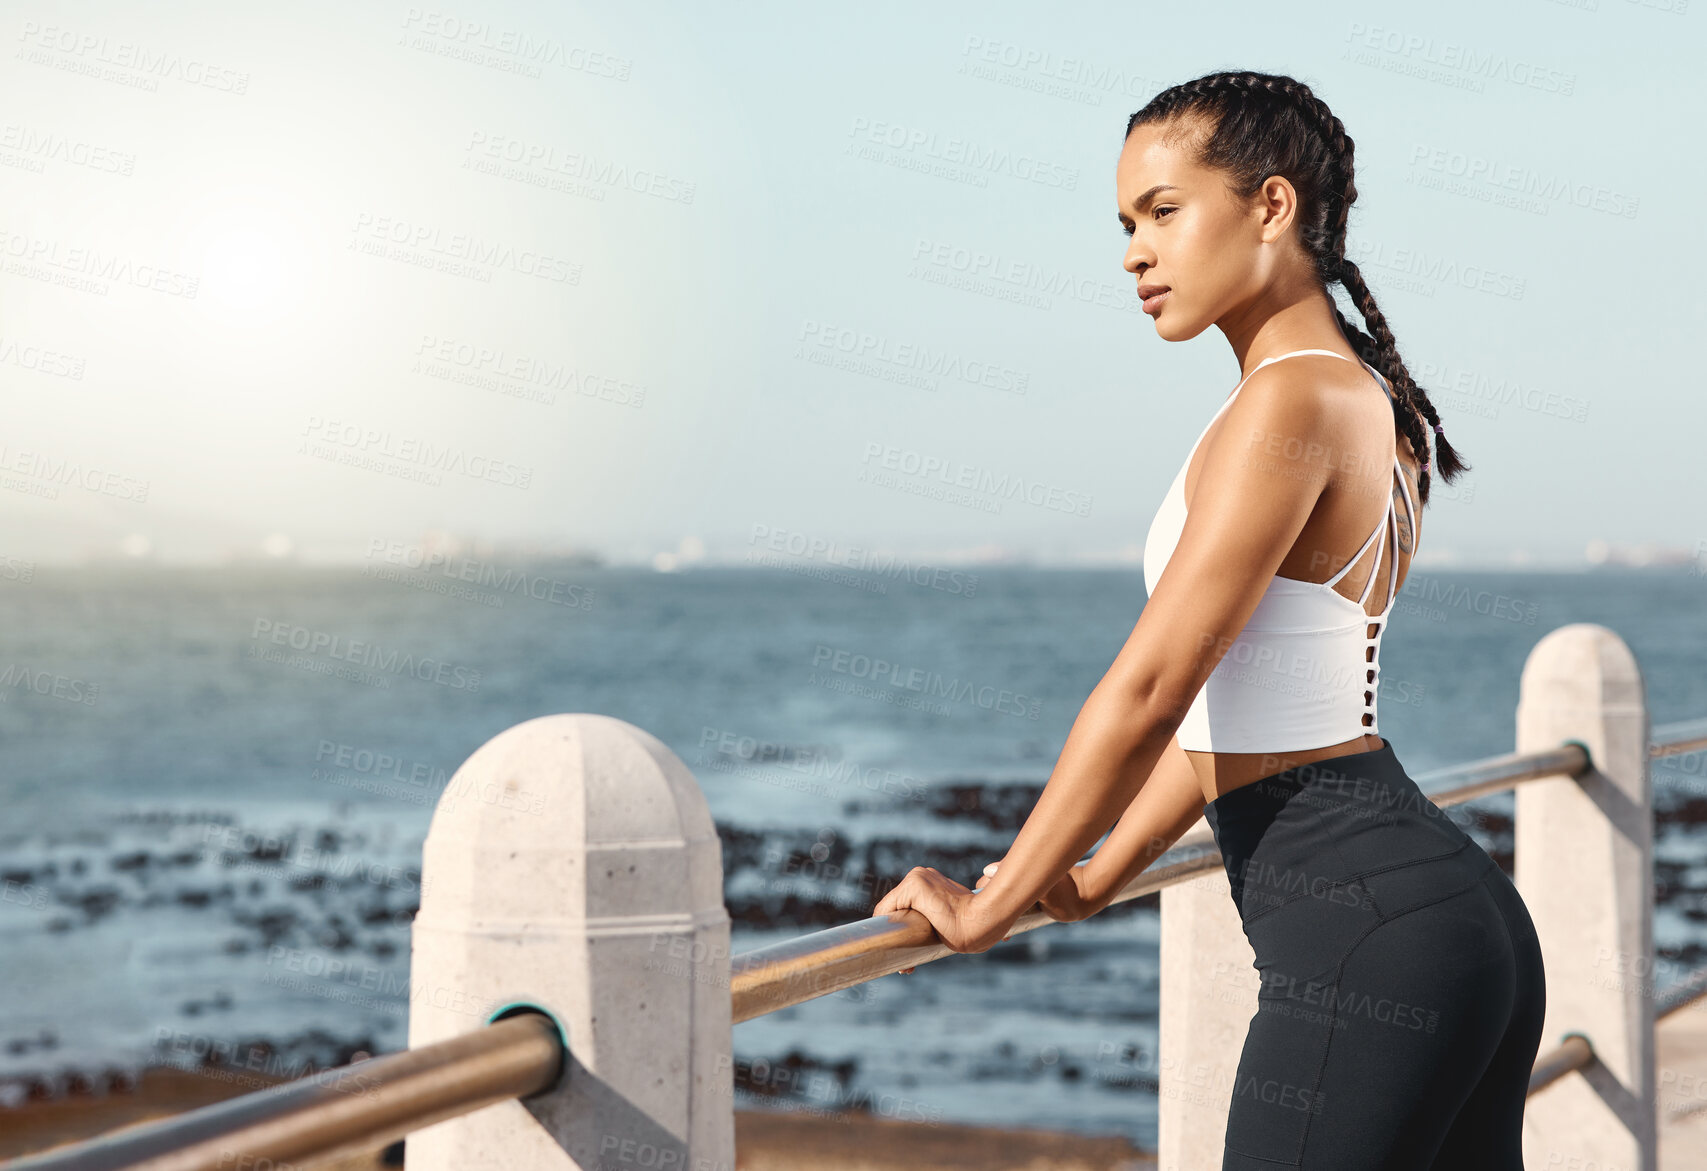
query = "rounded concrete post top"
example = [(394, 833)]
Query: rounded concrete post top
[(1582, 664), (576, 777)]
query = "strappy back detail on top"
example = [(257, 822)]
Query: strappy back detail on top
[(1303, 672)]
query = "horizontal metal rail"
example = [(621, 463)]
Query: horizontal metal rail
[(827, 961), (822, 962), (1672, 739), (1575, 1051), (1569, 1056), (1493, 774), (335, 1112)]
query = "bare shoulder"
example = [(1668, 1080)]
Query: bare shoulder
[(1327, 420), (1332, 398), (1309, 397)]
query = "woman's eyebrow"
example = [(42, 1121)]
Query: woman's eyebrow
[(1144, 199)]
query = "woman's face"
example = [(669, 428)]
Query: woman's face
[(1191, 236)]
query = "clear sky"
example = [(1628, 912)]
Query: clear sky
[(649, 279)]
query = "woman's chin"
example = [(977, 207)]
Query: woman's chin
[(1175, 328)]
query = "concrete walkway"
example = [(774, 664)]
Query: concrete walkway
[(1680, 1074), (783, 1140)]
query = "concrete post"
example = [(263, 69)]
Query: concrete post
[(1585, 869), (1208, 1000), (572, 864)]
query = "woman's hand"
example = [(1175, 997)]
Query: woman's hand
[(1066, 901), (948, 905)]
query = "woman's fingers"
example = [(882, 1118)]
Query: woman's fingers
[(892, 902)]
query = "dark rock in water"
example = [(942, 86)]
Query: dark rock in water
[(274, 925), (376, 915), (270, 849), (98, 902), (1129, 1067), (304, 1053), (741, 847), (1691, 812), (1687, 958), (791, 1076), (1492, 821), (995, 805), (1669, 880), (220, 1001), (174, 817), (44, 1040), (891, 858)]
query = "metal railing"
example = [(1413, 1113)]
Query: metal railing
[(523, 1052), (338, 1111), (835, 958)]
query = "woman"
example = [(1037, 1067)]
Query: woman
[(1246, 693)]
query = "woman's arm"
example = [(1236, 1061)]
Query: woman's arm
[(1247, 512), (1170, 803), (1166, 807), (1121, 734)]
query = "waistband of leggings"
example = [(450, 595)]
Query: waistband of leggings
[(1369, 765)]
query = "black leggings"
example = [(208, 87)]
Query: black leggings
[(1401, 997)]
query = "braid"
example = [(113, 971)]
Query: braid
[(1254, 125), (1382, 353)]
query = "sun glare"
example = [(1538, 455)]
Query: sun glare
[(251, 262)]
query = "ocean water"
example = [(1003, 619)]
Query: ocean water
[(212, 804)]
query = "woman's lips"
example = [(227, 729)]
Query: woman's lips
[(1153, 305)]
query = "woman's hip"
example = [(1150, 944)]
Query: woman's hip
[(1352, 832)]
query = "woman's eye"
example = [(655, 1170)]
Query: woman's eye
[(1155, 215)]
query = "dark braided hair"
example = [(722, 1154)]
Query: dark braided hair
[(1255, 125)]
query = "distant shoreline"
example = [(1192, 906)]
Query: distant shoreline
[(1665, 560)]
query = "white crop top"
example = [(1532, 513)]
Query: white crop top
[(1297, 675)]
